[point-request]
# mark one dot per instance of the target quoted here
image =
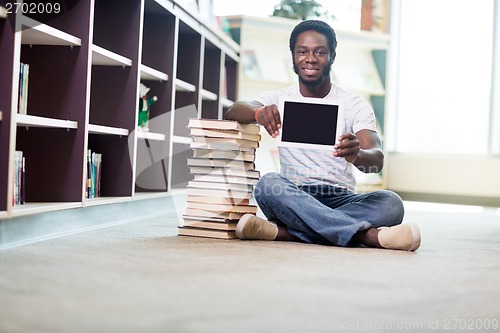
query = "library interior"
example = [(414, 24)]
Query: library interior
[(122, 181)]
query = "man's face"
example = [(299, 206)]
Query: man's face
[(311, 58)]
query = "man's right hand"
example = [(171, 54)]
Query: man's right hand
[(269, 117)]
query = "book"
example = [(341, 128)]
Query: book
[(226, 179), (219, 193), (208, 219), (203, 232), (237, 142), (224, 125), (18, 195), (194, 161), (224, 154), (220, 186), (93, 186), (204, 170), (245, 209), (225, 146), (209, 225), (218, 200), (23, 88), (216, 133), (213, 214)]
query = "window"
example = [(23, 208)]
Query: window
[(442, 76)]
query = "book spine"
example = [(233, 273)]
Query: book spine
[(23, 181), (89, 174)]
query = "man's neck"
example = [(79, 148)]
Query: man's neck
[(319, 92)]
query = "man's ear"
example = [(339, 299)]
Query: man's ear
[(332, 59)]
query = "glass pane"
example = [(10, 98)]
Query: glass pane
[(444, 76)]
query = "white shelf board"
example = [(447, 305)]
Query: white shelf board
[(226, 102), (182, 139), (105, 201), (36, 33), (103, 57), (208, 95), (36, 121), (150, 135), (3, 12), (107, 130), (148, 73), (42, 207), (150, 195), (184, 86)]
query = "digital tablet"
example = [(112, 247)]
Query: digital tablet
[(308, 122)]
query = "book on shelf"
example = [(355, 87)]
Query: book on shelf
[(231, 172), (246, 209), (219, 193), (221, 146), (230, 134), (194, 161), (19, 190), (224, 155), (237, 142), (224, 125), (24, 72), (222, 200), (220, 186), (94, 163), (204, 232)]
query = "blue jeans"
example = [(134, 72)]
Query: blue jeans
[(325, 214)]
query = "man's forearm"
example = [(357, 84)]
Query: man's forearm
[(370, 160), (244, 112)]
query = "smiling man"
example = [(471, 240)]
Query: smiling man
[(313, 198)]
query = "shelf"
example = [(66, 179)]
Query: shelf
[(184, 86), (3, 12), (226, 102), (182, 139), (103, 57), (364, 39), (42, 34), (42, 207), (35, 121), (150, 195), (208, 95), (148, 73), (1, 115), (105, 201), (150, 135), (107, 130)]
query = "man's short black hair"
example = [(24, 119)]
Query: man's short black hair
[(318, 26)]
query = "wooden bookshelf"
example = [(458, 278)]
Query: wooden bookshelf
[(84, 84)]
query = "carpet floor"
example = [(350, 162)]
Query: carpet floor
[(141, 277)]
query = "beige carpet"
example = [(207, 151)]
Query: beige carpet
[(140, 277)]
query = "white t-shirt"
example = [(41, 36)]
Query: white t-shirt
[(320, 167)]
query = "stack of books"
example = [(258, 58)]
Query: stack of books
[(223, 165)]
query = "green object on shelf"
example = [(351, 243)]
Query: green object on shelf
[(145, 103)]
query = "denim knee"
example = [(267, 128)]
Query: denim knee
[(270, 184), (394, 205)]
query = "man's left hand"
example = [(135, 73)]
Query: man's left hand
[(348, 147)]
